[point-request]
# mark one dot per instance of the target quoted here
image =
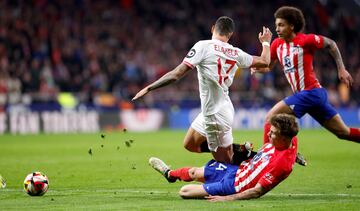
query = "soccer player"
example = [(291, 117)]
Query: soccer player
[(252, 178), (216, 62), (295, 51)]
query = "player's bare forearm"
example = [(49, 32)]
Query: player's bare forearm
[(251, 193), (334, 52), (165, 80), (170, 77), (263, 69), (333, 49)]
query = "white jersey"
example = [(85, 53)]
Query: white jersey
[(216, 63)]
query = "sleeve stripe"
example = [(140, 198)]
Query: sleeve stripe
[(188, 64)]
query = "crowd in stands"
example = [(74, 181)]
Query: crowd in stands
[(97, 47)]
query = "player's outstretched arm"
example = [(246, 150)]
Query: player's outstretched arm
[(254, 70), (263, 60), (165, 80), (251, 193), (333, 49)]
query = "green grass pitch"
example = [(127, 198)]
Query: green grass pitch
[(116, 175)]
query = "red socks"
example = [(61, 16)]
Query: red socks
[(266, 131), (354, 135), (181, 173)]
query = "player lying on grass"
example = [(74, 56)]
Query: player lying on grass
[(252, 178)]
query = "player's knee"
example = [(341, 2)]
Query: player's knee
[(191, 147), (184, 192), (194, 173)]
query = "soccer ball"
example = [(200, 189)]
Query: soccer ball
[(36, 184)]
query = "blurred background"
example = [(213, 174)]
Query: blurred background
[(73, 66)]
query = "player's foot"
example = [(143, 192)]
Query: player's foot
[(300, 159), (162, 168), (242, 152), (247, 147)]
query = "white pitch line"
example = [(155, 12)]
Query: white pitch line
[(64, 191), (315, 194)]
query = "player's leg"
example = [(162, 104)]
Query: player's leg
[(223, 154), (328, 117), (161, 167), (337, 126), (242, 152), (218, 178), (188, 174), (192, 191), (195, 136), (195, 141), (219, 134), (280, 107)]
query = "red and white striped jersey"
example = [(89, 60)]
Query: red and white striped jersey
[(268, 167), (296, 57)]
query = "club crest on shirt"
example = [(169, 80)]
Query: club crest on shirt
[(287, 62), (257, 156), (288, 65), (191, 53)]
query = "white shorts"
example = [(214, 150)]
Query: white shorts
[(217, 128)]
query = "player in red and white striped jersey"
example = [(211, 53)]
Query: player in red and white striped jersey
[(253, 178), (295, 51)]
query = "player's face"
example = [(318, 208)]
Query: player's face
[(274, 135), (283, 29)]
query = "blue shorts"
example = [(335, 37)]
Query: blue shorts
[(314, 102), (219, 178)]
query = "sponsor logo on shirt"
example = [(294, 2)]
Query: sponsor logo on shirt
[(269, 177)]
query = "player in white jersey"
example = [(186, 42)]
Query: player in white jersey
[(216, 62)]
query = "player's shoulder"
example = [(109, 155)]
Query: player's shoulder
[(203, 43), (277, 41), (308, 37)]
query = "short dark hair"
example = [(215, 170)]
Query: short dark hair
[(224, 26), (293, 16), (286, 124)]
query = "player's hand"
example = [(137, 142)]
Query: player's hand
[(265, 35), (218, 198), (141, 93), (345, 77), (253, 70)]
